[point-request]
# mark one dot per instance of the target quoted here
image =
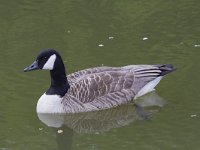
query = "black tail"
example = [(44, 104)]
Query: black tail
[(167, 68)]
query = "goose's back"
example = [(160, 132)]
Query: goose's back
[(79, 75)]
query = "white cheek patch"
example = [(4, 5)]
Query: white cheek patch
[(50, 63)]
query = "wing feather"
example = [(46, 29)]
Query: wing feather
[(101, 84)]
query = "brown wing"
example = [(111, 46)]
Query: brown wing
[(104, 85)]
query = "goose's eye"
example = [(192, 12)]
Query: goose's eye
[(44, 58)]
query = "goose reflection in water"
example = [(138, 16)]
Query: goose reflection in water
[(101, 121)]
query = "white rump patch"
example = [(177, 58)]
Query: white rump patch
[(149, 87), (50, 63)]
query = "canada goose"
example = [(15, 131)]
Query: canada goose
[(94, 88)]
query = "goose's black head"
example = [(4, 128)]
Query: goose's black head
[(51, 60), (47, 59)]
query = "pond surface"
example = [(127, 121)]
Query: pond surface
[(91, 33)]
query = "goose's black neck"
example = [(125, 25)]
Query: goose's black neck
[(59, 83)]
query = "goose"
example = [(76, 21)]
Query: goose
[(95, 88)]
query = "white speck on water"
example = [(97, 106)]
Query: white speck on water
[(40, 129), (145, 38), (68, 31), (194, 115), (110, 37), (100, 45), (60, 131), (197, 45)]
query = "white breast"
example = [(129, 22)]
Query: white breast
[(50, 104)]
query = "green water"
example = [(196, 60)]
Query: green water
[(90, 33)]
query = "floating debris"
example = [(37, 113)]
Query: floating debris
[(100, 45), (40, 129), (110, 37), (145, 38), (197, 45), (60, 131), (194, 115), (68, 31)]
